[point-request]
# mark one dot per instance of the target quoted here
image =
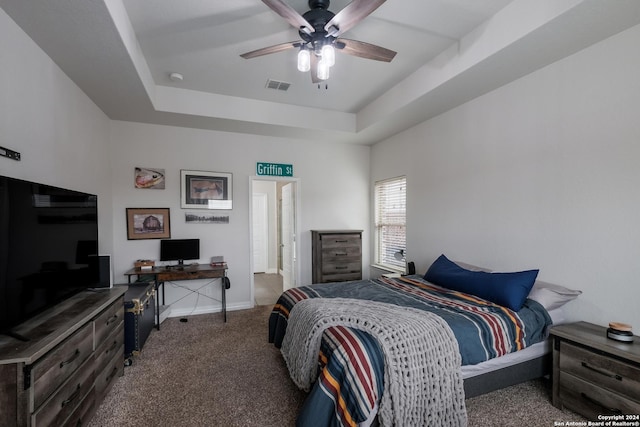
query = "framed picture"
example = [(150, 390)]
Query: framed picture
[(149, 178), (205, 190), (205, 218), (148, 223)]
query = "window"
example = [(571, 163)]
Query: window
[(391, 223)]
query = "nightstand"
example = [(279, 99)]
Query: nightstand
[(594, 375)]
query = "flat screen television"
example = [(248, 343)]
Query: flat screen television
[(48, 248), (179, 250)]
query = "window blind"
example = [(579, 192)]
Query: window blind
[(390, 221)]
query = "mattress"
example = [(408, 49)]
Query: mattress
[(532, 352)]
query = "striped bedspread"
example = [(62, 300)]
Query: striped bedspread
[(351, 364)]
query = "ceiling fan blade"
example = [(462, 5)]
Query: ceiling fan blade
[(364, 50), (290, 15), (271, 49), (314, 69), (348, 17)]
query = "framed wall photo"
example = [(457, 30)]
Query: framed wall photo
[(148, 223), (205, 190), (148, 178)]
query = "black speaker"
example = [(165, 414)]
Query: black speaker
[(104, 272), (411, 268)]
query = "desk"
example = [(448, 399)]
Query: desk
[(189, 272)]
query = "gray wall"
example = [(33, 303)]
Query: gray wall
[(333, 179), (65, 140), (541, 173)]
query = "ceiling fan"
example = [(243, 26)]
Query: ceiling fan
[(320, 29)]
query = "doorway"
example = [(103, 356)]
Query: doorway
[(273, 225)]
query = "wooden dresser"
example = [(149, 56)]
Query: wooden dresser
[(74, 353), (594, 375), (336, 255)]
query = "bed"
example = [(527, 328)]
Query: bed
[(501, 336)]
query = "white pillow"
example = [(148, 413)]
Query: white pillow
[(552, 296)]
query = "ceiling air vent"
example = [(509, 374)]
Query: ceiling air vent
[(274, 84)]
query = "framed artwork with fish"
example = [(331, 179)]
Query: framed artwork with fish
[(151, 178), (205, 190), (148, 223)]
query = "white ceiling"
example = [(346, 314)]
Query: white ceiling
[(121, 52)]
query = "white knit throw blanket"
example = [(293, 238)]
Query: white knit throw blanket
[(422, 379)]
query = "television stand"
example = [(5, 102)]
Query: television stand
[(15, 335), (73, 357)]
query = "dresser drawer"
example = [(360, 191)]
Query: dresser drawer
[(84, 412), (607, 372), (340, 240), (110, 348), (342, 277), (337, 253), (590, 400), (107, 321), (63, 403), (57, 365), (107, 375), (341, 267)]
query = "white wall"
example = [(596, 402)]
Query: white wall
[(334, 181), (542, 173), (61, 134), (66, 140)]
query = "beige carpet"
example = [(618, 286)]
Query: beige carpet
[(207, 373)]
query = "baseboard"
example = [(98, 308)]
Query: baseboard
[(172, 312)]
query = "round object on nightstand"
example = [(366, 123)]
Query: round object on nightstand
[(620, 332)]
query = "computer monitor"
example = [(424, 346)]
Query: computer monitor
[(179, 250)]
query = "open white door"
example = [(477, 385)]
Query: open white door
[(260, 233), (288, 237)]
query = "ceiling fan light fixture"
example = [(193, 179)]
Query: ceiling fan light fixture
[(319, 30), (304, 60), (329, 54), (323, 69)]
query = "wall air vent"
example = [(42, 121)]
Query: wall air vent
[(274, 84)]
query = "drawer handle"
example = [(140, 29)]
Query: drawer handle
[(113, 372), (341, 254), (113, 347), (341, 268), (111, 319), (601, 372), (72, 397), (74, 357), (341, 241), (595, 402)]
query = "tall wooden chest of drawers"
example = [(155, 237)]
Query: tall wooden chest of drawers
[(594, 375), (336, 255)]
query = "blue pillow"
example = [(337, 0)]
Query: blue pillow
[(507, 289)]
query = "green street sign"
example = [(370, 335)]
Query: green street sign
[(274, 169)]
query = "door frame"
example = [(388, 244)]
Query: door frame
[(298, 210)]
